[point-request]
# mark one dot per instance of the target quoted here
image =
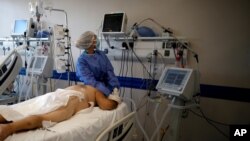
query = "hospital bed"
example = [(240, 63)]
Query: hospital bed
[(97, 124), (86, 125)]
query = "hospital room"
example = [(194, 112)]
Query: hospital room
[(124, 70)]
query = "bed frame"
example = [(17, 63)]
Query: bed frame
[(120, 130)]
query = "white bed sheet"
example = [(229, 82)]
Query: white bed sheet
[(84, 126)]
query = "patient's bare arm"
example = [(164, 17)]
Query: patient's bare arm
[(2, 119), (104, 103)]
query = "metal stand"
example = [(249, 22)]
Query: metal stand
[(175, 121)]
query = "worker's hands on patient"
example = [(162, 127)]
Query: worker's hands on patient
[(115, 95)]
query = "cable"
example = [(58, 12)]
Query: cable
[(142, 105), (162, 59), (149, 82), (127, 51), (154, 21), (123, 66), (144, 67), (145, 118), (57, 80), (217, 122), (131, 72), (126, 62), (120, 72), (224, 134), (73, 64)]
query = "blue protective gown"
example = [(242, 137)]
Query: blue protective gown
[(97, 71)]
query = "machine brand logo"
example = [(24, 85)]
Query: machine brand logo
[(239, 132)]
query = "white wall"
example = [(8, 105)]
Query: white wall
[(218, 32)]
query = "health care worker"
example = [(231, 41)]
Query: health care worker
[(94, 68)]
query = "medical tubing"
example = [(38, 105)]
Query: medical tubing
[(120, 72), (197, 60), (32, 76), (25, 81), (144, 67), (162, 119), (155, 118), (184, 107), (73, 64), (150, 19), (131, 73), (127, 62), (137, 119), (162, 59), (28, 91), (37, 80), (187, 47), (21, 90)]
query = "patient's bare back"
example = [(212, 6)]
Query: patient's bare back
[(86, 90), (91, 94)]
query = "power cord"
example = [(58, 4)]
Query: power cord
[(210, 121), (201, 116)]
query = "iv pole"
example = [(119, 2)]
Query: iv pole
[(67, 41)]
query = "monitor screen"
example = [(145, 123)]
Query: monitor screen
[(177, 82), (37, 64), (175, 77), (113, 22), (20, 26)]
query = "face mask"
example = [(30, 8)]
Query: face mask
[(97, 43)]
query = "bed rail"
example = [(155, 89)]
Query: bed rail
[(119, 130)]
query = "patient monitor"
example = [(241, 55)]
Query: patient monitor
[(20, 26), (40, 65), (178, 82), (37, 64), (114, 24)]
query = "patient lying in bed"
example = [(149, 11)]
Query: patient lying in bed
[(79, 97)]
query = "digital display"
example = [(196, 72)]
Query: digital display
[(113, 22), (37, 64), (175, 77), (177, 82), (20, 26)]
